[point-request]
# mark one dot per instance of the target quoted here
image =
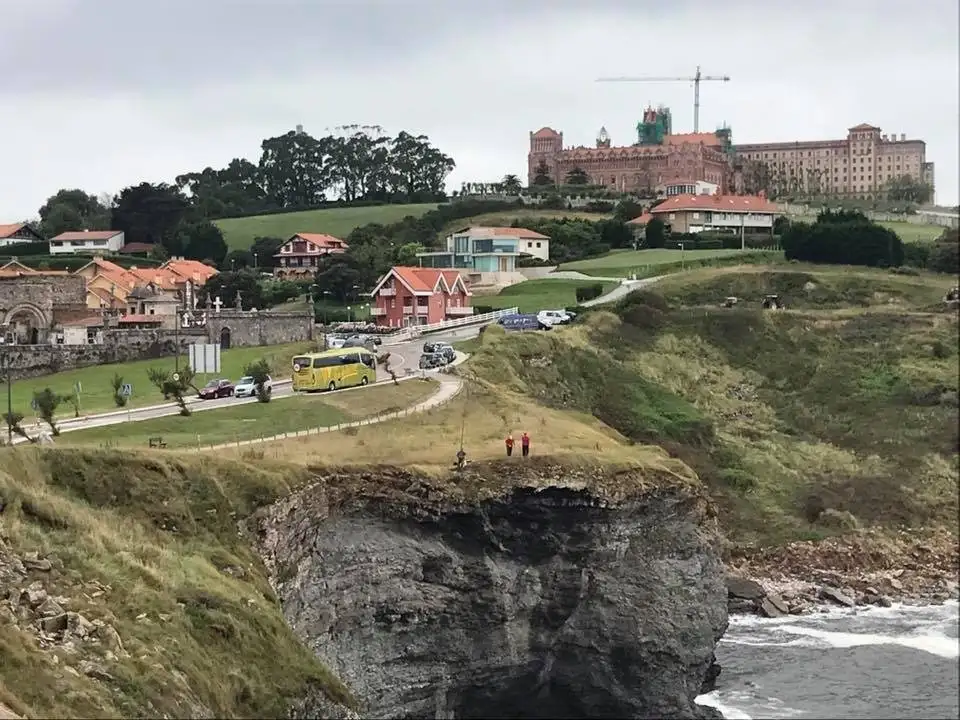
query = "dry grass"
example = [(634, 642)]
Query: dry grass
[(383, 399), (202, 632), (484, 416)]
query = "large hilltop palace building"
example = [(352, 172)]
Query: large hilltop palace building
[(660, 162)]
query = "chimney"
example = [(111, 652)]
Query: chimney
[(903, 137)]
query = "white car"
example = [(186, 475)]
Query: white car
[(245, 387), (554, 317), (335, 342)]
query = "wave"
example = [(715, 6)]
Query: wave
[(930, 628), (733, 705)]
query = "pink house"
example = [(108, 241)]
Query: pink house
[(419, 296)]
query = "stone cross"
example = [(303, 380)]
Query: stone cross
[(218, 303), (208, 303), (238, 301)]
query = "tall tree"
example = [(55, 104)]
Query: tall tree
[(541, 174), (72, 210), (201, 241), (151, 213), (577, 176), (293, 169)]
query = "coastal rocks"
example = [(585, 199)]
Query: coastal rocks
[(524, 592), (861, 568)]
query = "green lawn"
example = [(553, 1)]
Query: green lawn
[(249, 421), (620, 263), (911, 233), (241, 232), (96, 391), (535, 295)]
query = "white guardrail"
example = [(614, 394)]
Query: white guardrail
[(414, 331)]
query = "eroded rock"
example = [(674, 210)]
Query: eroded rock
[(837, 596), (539, 598)]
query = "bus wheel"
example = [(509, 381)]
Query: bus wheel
[(332, 386), (363, 381)]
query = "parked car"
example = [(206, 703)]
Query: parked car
[(445, 349), (431, 361), (335, 342), (522, 322), (246, 387), (554, 317), (216, 389), (365, 341)]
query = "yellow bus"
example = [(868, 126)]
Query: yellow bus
[(334, 369)]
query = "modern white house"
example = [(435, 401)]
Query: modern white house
[(87, 242), (488, 255)]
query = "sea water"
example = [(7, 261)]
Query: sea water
[(864, 662)]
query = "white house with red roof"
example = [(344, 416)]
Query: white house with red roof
[(89, 242), (740, 214), (300, 255), (419, 296)]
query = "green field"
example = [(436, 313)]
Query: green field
[(620, 263), (535, 295), (249, 421), (96, 391), (241, 232), (911, 233)]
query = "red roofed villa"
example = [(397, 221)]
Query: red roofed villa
[(419, 296), (298, 256), (697, 213)]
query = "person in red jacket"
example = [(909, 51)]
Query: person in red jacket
[(509, 443), (525, 444)]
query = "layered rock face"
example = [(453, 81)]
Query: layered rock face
[(505, 592)]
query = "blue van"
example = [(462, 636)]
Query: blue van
[(522, 322)]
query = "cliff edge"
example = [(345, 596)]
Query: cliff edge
[(512, 590)]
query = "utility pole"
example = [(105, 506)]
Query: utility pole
[(696, 80)]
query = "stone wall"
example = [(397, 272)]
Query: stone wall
[(259, 328), (118, 346)]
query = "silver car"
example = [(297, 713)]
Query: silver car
[(246, 387)]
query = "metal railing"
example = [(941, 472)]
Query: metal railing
[(413, 331)]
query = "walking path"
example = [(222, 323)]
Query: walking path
[(450, 386), (622, 290)]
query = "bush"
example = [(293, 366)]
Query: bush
[(945, 258), (916, 255), (843, 237), (589, 292)]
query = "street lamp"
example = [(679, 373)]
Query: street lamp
[(254, 261), (349, 317), (680, 245)]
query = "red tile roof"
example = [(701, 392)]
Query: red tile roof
[(91, 321), (328, 243), (523, 233), (424, 280), (87, 235), (192, 270), (546, 132), (8, 230), (720, 203), (863, 127), (642, 220), (708, 139)]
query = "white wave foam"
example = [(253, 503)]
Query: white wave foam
[(712, 699), (935, 643), (945, 612)]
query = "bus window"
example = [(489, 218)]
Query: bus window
[(301, 362)]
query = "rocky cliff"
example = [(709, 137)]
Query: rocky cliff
[(511, 591)]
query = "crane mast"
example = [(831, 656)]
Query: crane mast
[(696, 80)]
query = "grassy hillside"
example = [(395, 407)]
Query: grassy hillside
[(622, 263), (170, 613), (241, 232), (839, 412), (536, 295), (911, 232)]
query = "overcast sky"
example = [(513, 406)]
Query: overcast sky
[(101, 94)]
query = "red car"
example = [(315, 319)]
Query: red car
[(216, 389)]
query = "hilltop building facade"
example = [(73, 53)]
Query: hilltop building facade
[(859, 165), (658, 160)]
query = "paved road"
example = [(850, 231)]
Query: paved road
[(622, 290), (404, 357)]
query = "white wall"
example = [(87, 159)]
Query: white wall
[(69, 247), (529, 247)]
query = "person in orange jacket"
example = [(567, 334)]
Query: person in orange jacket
[(525, 444), (509, 443)]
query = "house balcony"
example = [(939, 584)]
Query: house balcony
[(459, 311), (387, 292), (420, 310), (378, 311)]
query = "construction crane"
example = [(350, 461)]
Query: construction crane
[(696, 79)]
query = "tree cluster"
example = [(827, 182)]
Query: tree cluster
[(843, 237), (357, 164), (576, 239)]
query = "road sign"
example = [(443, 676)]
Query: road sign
[(205, 357), (126, 390), (176, 377)]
